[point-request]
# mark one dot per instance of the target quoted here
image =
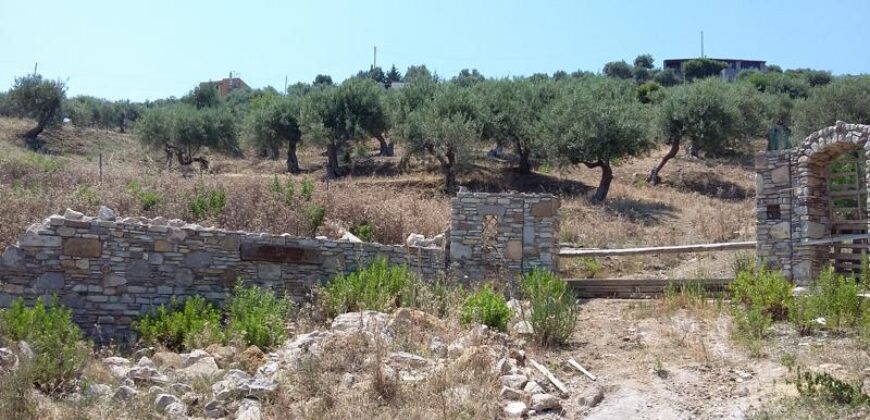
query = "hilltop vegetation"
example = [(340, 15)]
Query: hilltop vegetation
[(542, 120)]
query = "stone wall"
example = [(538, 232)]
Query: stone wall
[(775, 221), (111, 272), (493, 234), (793, 203)]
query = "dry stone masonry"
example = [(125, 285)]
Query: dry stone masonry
[(110, 271), (492, 233), (794, 207)]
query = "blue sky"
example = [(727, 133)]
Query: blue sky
[(152, 49)]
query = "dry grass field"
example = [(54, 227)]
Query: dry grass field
[(698, 201), (678, 357)]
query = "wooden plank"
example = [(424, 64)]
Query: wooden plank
[(676, 249), (577, 366), (640, 288), (835, 239), (554, 380)]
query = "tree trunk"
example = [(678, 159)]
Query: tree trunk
[(272, 152), (292, 160), (448, 167), (693, 150), (386, 147), (653, 177), (332, 170), (525, 163), (30, 137), (604, 183)]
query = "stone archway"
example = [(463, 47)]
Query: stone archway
[(824, 205)]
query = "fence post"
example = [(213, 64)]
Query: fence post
[(101, 168)]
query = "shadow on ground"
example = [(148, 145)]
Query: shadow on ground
[(709, 185), (640, 211)]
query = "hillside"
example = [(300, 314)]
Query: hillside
[(698, 201)]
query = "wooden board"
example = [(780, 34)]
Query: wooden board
[(676, 249), (641, 288)]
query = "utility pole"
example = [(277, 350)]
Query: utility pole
[(702, 44), (285, 85), (375, 58)]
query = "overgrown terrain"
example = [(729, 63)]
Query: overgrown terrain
[(383, 164)]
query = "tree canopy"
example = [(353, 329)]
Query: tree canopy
[(273, 122), (446, 127), (511, 111), (182, 132), (711, 114), (597, 123), (846, 99), (701, 68), (618, 69), (33, 97)]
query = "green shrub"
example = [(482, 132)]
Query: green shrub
[(803, 313), (257, 316), (553, 307), (590, 266), (488, 308), (148, 199), (314, 216), (284, 193), (752, 322), (364, 231), (208, 203), (88, 195), (378, 286), (60, 353), (306, 191), (195, 323), (764, 289), (838, 300), (825, 386)]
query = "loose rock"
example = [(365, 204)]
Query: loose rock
[(162, 402), (544, 402), (515, 409), (516, 381), (214, 409), (125, 392)]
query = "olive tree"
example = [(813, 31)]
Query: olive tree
[(204, 96), (619, 70), (272, 122), (334, 116), (511, 110), (713, 115), (597, 122), (702, 68), (445, 127), (33, 97), (183, 132), (846, 99)]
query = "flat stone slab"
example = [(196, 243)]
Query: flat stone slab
[(277, 253), (82, 247)]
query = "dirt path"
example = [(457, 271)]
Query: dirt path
[(655, 366)]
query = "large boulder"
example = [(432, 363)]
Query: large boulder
[(252, 358), (365, 321), (167, 360), (202, 368), (249, 409)]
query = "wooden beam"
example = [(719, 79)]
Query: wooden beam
[(554, 380), (641, 288), (676, 249), (577, 366), (835, 239)]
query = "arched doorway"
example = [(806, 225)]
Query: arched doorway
[(831, 200)]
